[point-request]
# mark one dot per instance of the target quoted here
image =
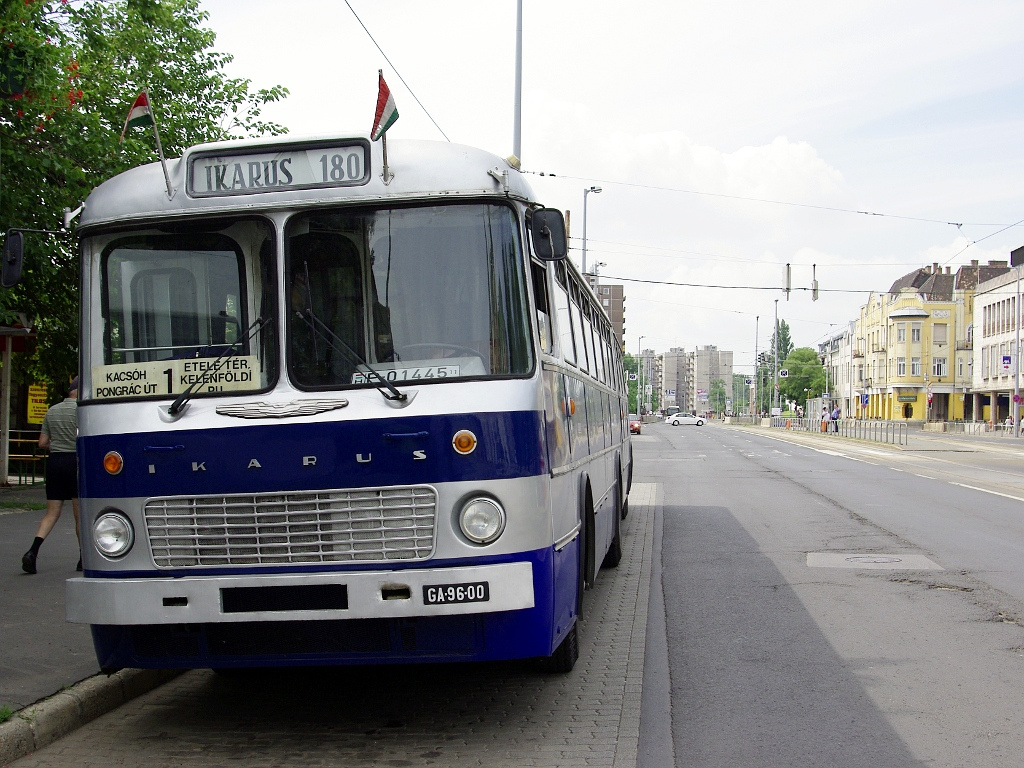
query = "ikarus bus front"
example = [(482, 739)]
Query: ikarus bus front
[(328, 418)]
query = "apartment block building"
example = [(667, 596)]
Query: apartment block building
[(613, 299), (709, 363), (676, 374), (996, 336), (841, 367), (911, 353)]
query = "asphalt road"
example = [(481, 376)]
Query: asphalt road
[(814, 601), (829, 603)]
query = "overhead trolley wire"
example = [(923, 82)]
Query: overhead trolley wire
[(834, 209), (395, 70)]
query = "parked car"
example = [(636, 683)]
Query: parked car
[(634, 424), (684, 418)]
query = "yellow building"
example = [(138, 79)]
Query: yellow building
[(912, 352)]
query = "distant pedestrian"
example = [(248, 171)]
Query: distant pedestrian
[(835, 419), (825, 418), (59, 434)]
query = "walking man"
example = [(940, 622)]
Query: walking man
[(59, 434)]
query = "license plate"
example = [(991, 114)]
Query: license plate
[(418, 373), (443, 594)]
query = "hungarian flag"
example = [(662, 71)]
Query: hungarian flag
[(139, 115), (387, 113)]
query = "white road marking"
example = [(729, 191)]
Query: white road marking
[(986, 490)]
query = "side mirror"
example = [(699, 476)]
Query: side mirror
[(13, 256), (547, 228)]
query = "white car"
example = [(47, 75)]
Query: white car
[(684, 418)]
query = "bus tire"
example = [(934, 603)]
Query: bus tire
[(614, 554), (566, 654), (588, 546), (621, 499)]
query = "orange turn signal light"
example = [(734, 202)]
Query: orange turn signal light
[(464, 442), (113, 463)]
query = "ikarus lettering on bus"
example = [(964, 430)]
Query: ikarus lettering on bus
[(289, 168)]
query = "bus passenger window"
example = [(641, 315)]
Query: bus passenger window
[(540, 294), (563, 316)]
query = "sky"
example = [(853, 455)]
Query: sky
[(854, 141)]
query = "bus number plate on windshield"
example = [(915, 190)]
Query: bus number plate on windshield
[(408, 374), (443, 594)]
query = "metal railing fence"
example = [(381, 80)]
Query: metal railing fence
[(998, 429), (874, 430)]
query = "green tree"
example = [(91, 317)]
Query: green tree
[(806, 376), (68, 74), (630, 365), (740, 393), (766, 364), (717, 395)]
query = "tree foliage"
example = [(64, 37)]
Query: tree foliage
[(806, 376), (766, 367), (717, 395), (69, 72), (740, 393)]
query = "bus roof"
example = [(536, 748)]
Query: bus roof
[(419, 170)]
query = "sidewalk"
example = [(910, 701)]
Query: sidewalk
[(42, 653), (917, 440), (48, 666), (609, 675)]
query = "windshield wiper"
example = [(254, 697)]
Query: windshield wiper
[(319, 327), (182, 400)]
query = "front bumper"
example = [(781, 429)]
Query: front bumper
[(345, 595)]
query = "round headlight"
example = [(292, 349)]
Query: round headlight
[(113, 534), (482, 520)]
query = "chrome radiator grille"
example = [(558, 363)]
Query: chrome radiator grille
[(364, 525)]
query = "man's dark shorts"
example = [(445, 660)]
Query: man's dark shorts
[(62, 477)]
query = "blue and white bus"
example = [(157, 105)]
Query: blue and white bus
[(331, 418)]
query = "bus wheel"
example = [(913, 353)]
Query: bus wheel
[(621, 499), (614, 554), (565, 655)]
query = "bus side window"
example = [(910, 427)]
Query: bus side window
[(579, 327), (540, 295), (563, 316)]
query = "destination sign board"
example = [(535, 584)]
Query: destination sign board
[(309, 166), (172, 377)]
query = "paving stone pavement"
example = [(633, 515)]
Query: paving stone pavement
[(430, 715)]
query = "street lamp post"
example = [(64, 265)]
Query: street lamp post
[(585, 193)]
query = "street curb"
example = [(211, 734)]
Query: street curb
[(56, 716)]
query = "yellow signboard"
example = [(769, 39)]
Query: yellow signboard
[(37, 403)]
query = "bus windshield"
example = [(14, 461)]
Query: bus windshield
[(417, 294), (187, 310)]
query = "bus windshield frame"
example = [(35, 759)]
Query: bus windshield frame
[(194, 308), (419, 294)]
